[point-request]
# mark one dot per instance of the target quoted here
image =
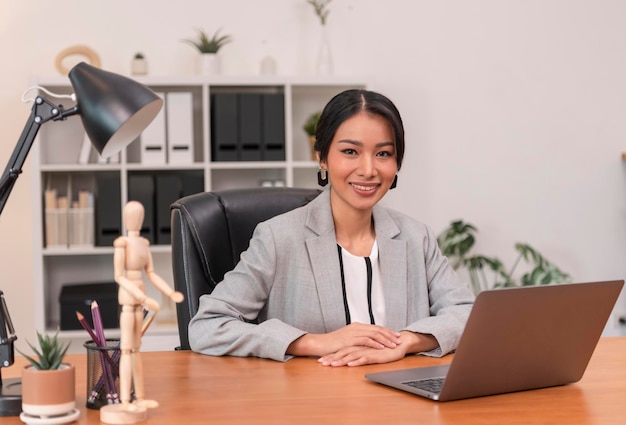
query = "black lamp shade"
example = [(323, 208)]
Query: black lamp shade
[(114, 109)]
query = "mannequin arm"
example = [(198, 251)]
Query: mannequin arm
[(161, 284)]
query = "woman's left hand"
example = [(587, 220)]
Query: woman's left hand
[(360, 355)]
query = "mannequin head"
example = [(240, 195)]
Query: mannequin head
[(133, 216)]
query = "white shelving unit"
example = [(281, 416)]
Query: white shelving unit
[(55, 163)]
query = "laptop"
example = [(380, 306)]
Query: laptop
[(517, 339)]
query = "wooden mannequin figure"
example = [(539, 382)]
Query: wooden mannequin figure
[(131, 258)]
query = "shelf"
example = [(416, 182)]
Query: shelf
[(71, 251), (289, 100)]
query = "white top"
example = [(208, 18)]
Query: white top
[(355, 277)]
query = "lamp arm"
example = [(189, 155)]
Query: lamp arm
[(42, 111), (7, 335)]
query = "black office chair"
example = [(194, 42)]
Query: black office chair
[(209, 232)]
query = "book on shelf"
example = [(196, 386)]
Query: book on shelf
[(56, 218), (68, 224), (81, 220)]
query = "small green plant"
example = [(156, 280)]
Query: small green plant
[(206, 44), (139, 55), (50, 353), (310, 125), (456, 242), (321, 9)]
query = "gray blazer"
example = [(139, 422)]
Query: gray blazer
[(289, 282)]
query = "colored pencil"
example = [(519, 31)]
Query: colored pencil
[(109, 380), (118, 353)]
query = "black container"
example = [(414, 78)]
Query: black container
[(79, 297)]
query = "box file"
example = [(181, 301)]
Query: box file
[(168, 190), (141, 189), (273, 145), (153, 139), (192, 182), (179, 107), (78, 297), (85, 150), (249, 126), (224, 127), (108, 207)]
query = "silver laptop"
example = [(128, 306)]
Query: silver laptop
[(517, 339)]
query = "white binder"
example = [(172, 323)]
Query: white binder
[(153, 139), (179, 107)]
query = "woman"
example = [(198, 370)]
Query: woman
[(342, 278)]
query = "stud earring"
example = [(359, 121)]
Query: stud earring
[(395, 182), (322, 177)]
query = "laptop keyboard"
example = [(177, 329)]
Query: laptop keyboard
[(432, 385)]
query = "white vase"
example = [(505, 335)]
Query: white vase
[(324, 64), (139, 67), (209, 64), (268, 66)]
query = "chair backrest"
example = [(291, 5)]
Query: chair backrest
[(209, 232)]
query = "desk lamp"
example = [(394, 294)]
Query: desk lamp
[(114, 110)]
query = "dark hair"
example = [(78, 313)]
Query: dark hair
[(349, 103)]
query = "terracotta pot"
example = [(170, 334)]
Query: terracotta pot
[(48, 392)]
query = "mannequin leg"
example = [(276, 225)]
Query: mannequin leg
[(126, 347), (137, 365)]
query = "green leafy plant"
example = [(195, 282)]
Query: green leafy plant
[(50, 353), (321, 9), (139, 55), (456, 242), (310, 124), (206, 44)]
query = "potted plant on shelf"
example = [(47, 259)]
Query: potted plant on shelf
[(309, 128), (456, 242), (209, 46), (48, 384)]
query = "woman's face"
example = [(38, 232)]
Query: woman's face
[(361, 162)]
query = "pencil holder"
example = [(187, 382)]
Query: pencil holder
[(102, 373)]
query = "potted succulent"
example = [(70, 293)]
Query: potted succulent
[(209, 46), (309, 128), (48, 384), (139, 65)]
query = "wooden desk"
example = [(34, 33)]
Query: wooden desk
[(197, 389)]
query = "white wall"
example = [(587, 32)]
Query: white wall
[(514, 110)]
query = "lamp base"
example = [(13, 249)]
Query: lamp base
[(11, 397), (120, 414)]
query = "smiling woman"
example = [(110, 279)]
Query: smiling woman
[(342, 278), (361, 166)]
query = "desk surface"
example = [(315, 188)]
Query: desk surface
[(197, 389)]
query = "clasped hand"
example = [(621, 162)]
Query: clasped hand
[(359, 344)]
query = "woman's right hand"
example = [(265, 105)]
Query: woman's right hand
[(354, 334)]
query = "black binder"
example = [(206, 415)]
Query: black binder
[(168, 190), (141, 189), (192, 182), (108, 207), (249, 126), (273, 144), (224, 128)]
